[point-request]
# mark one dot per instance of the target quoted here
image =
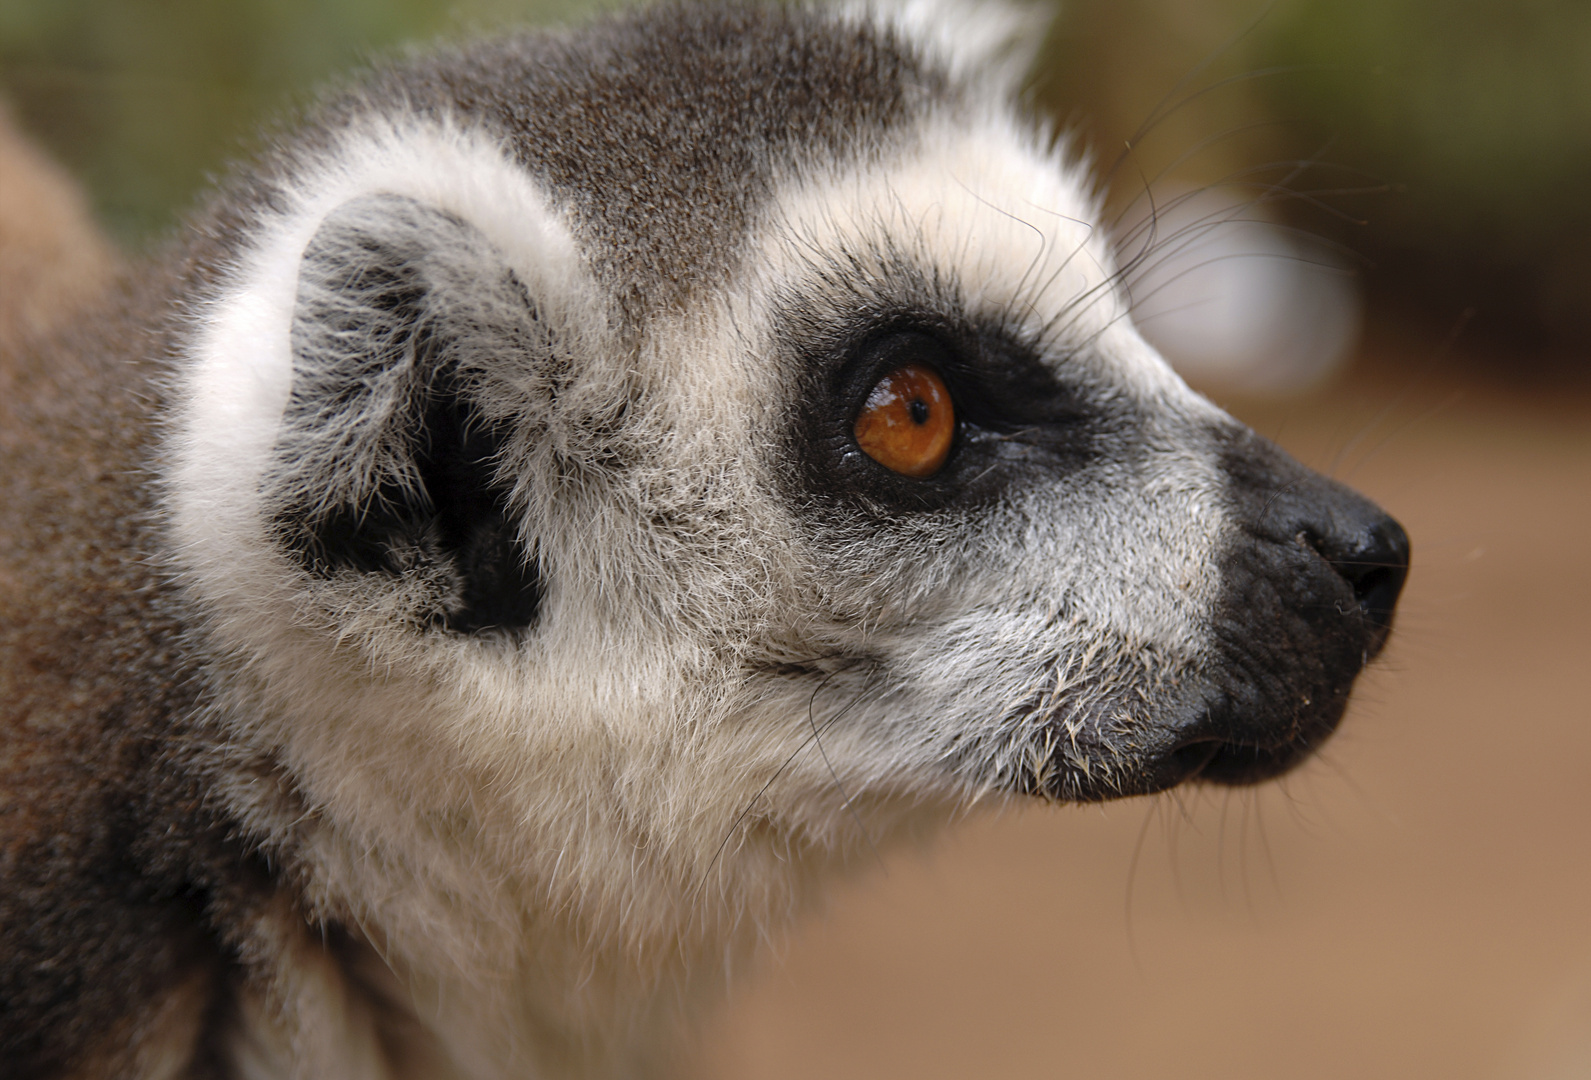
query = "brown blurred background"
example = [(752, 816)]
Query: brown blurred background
[(1417, 901)]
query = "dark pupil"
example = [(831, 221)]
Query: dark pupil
[(919, 410)]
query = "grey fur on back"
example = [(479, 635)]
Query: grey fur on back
[(112, 866)]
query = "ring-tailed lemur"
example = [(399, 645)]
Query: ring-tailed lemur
[(573, 496)]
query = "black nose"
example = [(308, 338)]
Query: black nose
[(1351, 547), (1311, 575), (1370, 551)]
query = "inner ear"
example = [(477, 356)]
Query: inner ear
[(389, 470)]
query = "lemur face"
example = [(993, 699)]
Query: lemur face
[(731, 410), (1099, 584)]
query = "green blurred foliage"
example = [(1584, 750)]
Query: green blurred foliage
[(1484, 107), (144, 98), (1467, 123), (1447, 142), (1478, 113)]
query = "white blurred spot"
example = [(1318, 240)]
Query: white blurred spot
[(1235, 302)]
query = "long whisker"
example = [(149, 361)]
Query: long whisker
[(848, 804), (780, 771)]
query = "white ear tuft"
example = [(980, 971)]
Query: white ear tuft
[(994, 42)]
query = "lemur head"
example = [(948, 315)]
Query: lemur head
[(726, 425)]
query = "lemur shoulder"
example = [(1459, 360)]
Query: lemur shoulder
[(573, 496)]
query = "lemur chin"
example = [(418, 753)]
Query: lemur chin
[(573, 496)]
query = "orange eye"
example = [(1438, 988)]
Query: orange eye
[(908, 422)]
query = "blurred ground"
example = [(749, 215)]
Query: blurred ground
[(1416, 903)]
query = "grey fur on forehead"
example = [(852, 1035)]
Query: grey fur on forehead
[(662, 131)]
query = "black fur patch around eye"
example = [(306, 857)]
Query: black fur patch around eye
[(388, 466), (1016, 420)]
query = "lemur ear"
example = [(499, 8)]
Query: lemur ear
[(391, 468)]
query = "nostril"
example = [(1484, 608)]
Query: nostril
[(1334, 562), (1375, 568), (1194, 755)]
